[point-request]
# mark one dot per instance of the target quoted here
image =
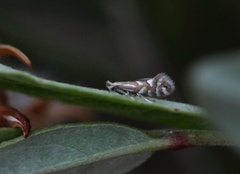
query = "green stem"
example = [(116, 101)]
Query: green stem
[(186, 138)]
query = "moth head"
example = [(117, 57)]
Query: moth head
[(109, 85), (165, 85)]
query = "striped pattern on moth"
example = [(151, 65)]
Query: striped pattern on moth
[(157, 87)]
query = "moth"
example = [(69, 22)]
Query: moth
[(157, 87)]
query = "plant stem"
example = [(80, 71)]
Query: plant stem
[(188, 138)]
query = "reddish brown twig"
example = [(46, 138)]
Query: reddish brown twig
[(9, 116)]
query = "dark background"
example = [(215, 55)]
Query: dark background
[(89, 42)]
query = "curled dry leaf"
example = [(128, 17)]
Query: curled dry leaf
[(9, 116), (8, 50)]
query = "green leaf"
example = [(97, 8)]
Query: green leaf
[(95, 148), (216, 85), (9, 133), (163, 112)]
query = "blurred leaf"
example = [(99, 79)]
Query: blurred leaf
[(96, 148), (216, 86), (161, 111)]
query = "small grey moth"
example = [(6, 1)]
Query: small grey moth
[(157, 87)]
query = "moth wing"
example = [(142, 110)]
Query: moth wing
[(144, 79), (160, 75)]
